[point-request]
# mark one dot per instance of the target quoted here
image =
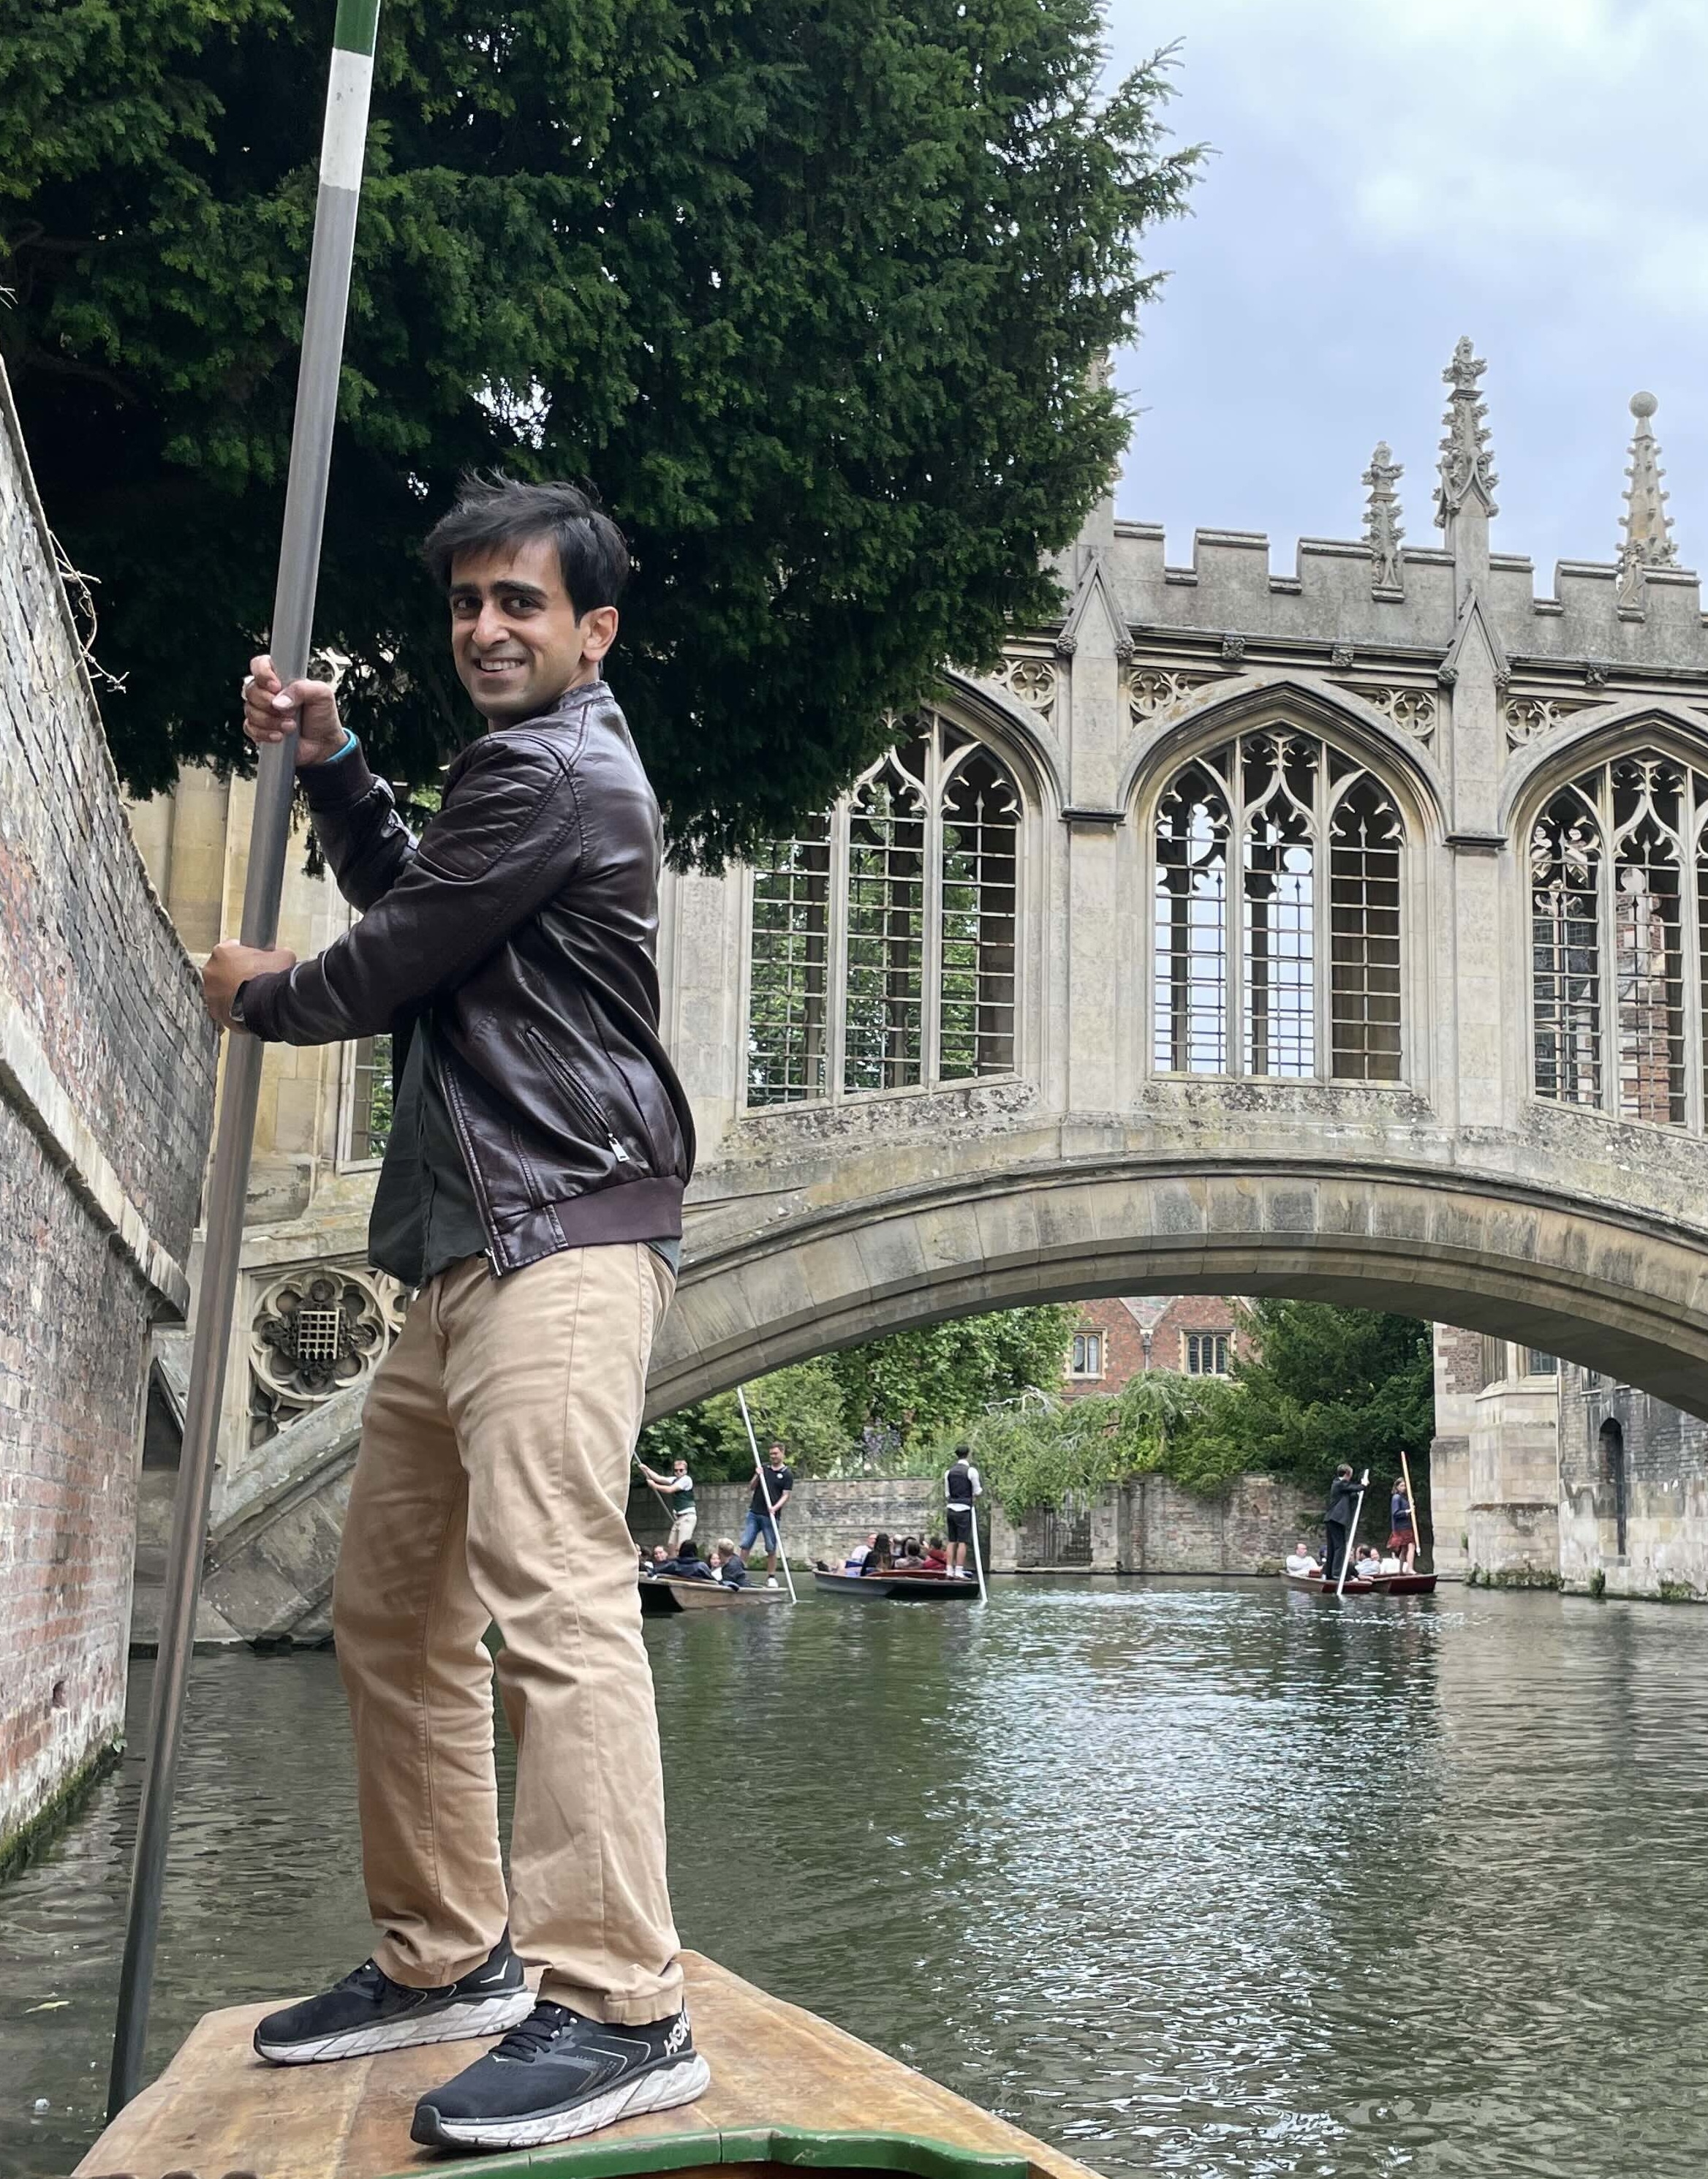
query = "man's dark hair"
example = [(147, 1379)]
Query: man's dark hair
[(963, 1453), (493, 512)]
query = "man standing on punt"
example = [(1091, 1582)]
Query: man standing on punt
[(532, 1192)]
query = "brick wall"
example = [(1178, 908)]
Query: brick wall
[(105, 1085), (1124, 1323)]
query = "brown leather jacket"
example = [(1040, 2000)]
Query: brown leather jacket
[(526, 920)]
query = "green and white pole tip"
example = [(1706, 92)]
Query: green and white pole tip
[(347, 89)]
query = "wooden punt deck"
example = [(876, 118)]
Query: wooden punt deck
[(789, 2093)]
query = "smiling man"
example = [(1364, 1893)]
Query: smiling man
[(532, 1192)]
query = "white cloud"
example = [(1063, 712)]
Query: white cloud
[(1388, 174)]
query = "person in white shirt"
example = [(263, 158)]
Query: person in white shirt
[(1301, 1560), (1393, 1563)]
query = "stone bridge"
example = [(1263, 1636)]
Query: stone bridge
[(1338, 933)]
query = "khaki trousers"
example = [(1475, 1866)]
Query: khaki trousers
[(491, 1485)]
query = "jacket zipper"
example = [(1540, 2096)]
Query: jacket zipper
[(590, 1110)]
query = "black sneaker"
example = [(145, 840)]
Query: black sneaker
[(557, 2077), (367, 2011)]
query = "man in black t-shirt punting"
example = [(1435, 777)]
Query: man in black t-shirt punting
[(771, 1486)]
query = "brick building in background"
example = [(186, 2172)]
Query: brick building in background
[(1198, 1335), (107, 1064)]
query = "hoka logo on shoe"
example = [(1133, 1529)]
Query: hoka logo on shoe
[(679, 2034)]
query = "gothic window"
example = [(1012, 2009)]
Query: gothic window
[(1616, 959), (883, 949), (787, 1044), (1244, 981), (370, 1125)]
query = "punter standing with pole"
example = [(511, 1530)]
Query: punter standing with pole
[(531, 1191), (962, 1491), (773, 1483)]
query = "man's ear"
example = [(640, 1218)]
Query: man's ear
[(598, 631)]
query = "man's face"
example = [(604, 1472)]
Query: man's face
[(515, 635), (679, 1467), (777, 1455)]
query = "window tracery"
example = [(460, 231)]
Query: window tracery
[(1616, 929), (883, 943), (1244, 837)]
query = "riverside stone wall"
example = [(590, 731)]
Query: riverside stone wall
[(821, 1519), (1148, 1526), (1151, 1525), (106, 1068)]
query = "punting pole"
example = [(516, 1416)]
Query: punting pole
[(1352, 1537), (343, 143), (765, 1493), (979, 1557), (1417, 1533)]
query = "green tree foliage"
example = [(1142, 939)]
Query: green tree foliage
[(921, 1383), (1042, 1452), (814, 289), (908, 1388), (1327, 1385), (802, 1405)]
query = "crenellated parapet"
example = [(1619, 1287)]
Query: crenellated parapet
[(1637, 615)]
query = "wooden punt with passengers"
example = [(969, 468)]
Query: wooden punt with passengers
[(917, 1588), (787, 2091), (662, 1594), (1386, 1584)]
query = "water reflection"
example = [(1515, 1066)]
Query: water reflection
[(1204, 1878)]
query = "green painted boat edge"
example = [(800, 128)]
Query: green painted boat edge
[(855, 2149)]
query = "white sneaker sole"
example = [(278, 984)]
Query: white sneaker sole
[(457, 2023), (660, 2090)]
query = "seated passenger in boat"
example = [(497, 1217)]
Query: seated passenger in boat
[(688, 1565), (726, 1564), (855, 1562), (910, 1558), (879, 1559), (652, 1561), (1302, 1559), (1367, 1567), (936, 1558)]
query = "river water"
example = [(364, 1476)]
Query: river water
[(1187, 1877)]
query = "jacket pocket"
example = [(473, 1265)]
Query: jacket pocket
[(591, 1109)]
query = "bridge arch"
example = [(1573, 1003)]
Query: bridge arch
[(1536, 1265)]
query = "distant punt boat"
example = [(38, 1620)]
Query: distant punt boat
[(662, 1594), (917, 1588), (789, 2093), (1386, 1584)]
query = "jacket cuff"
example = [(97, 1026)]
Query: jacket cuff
[(260, 997), (337, 782)]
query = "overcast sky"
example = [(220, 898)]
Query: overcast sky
[(1389, 174)]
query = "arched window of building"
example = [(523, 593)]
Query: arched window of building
[(1617, 1000), (1253, 978), (882, 950)]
